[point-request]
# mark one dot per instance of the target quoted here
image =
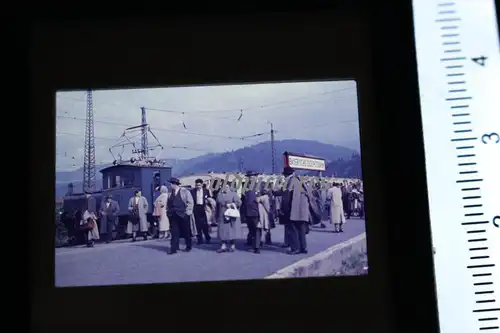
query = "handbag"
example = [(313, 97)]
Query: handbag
[(158, 209), (232, 213), (90, 224), (134, 217)]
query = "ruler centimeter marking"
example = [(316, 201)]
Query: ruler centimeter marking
[(458, 57)]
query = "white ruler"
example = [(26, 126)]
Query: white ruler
[(458, 56)]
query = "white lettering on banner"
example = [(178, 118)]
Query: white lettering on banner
[(274, 183), (306, 163)]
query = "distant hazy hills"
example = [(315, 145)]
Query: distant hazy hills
[(256, 158), (344, 167)]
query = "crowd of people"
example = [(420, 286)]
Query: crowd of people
[(193, 213)]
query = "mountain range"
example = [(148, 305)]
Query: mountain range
[(341, 161)]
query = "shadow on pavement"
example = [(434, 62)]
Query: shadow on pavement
[(273, 248), (158, 247), (321, 230), (215, 244)]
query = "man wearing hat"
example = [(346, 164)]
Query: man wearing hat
[(109, 210), (250, 211), (179, 211), (138, 222), (298, 207)]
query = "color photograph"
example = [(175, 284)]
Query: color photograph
[(208, 183)]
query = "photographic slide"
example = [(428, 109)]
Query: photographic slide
[(209, 183)]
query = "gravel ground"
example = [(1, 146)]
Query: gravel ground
[(355, 264)]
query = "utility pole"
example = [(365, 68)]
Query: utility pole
[(241, 164), (273, 150), (89, 170), (144, 141)]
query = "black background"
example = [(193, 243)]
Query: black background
[(372, 44)]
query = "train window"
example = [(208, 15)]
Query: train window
[(117, 182), (156, 179), (128, 179), (125, 179)]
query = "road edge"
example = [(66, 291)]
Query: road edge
[(323, 263)]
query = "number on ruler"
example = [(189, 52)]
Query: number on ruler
[(496, 221), (480, 60), (492, 137)]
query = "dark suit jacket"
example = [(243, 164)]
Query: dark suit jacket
[(249, 206), (206, 194), (112, 210)]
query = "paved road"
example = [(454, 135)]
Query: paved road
[(144, 262)]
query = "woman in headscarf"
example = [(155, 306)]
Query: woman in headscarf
[(161, 212), (89, 224), (229, 227)]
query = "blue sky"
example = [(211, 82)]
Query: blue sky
[(322, 111)]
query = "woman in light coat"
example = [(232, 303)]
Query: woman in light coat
[(161, 212), (91, 234), (228, 229), (337, 217), (265, 216), (210, 211), (138, 222)]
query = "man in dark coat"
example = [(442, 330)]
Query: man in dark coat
[(318, 202), (109, 211), (272, 216), (346, 199), (200, 196), (179, 211), (303, 210), (250, 212), (284, 196)]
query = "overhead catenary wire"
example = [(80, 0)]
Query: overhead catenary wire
[(168, 146), (261, 106), (177, 147), (230, 118), (114, 139), (163, 129), (265, 107), (238, 110), (279, 104), (238, 119), (289, 103), (317, 126), (184, 113)]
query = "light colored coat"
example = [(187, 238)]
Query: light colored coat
[(92, 234), (334, 196), (301, 200), (161, 210), (264, 210), (210, 210), (232, 230), (142, 207), (277, 204)]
